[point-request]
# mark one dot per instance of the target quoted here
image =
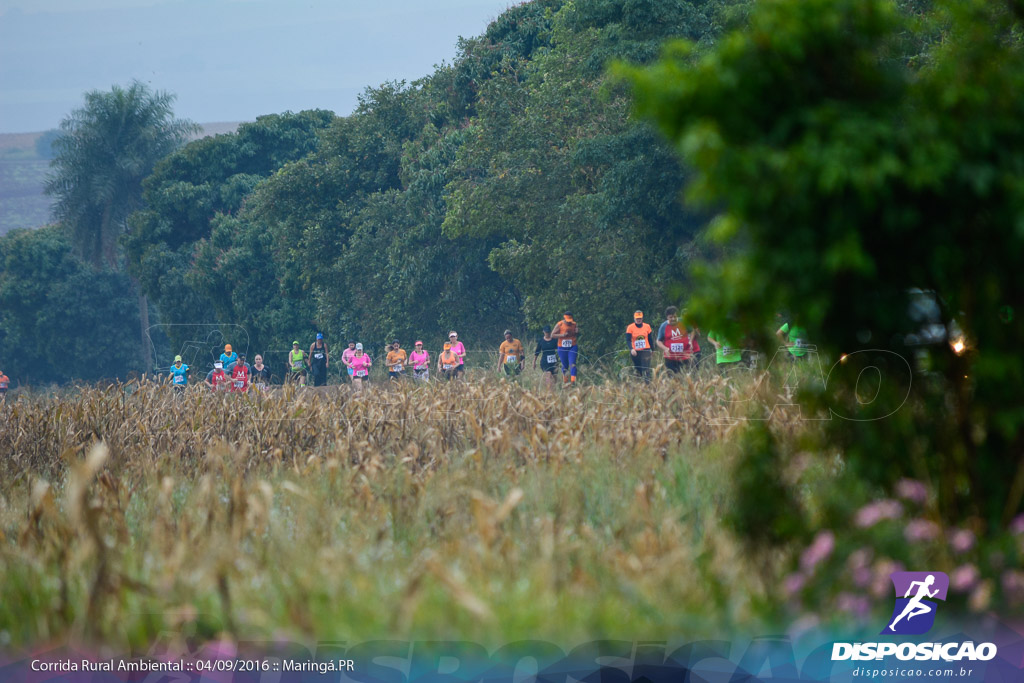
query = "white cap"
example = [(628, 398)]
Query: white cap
[(453, 333), (359, 347), (218, 364)]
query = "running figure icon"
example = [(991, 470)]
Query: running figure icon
[(915, 607)]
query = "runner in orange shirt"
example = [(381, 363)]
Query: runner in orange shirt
[(639, 335), (566, 331)]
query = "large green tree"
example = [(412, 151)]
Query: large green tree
[(105, 150), (861, 173)]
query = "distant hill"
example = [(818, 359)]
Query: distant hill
[(23, 174)]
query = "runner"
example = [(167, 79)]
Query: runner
[(547, 349), (795, 338), (319, 360), (228, 358), (638, 334), (448, 362), (5, 382), (420, 362), (396, 360), (217, 380), (346, 360), (360, 365), (460, 351), (566, 331), (727, 356), (240, 375), (179, 375), (511, 355), (675, 342), (297, 365), (260, 374)]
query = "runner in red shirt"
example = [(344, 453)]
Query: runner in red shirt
[(240, 375)]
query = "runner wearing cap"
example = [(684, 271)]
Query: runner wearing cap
[(448, 362), (228, 358), (260, 374), (319, 360), (511, 355), (396, 360), (420, 362), (547, 349), (240, 375), (297, 365), (346, 360), (360, 365), (179, 374), (217, 380), (566, 331), (460, 351), (638, 334), (5, 382)]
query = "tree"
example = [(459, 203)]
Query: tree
[(858, 173), (60, 319), (104, 152)]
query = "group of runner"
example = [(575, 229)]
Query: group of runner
[(557, 350)]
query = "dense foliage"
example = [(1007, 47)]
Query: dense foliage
[(869, 187), (493, 193), (61, 319)]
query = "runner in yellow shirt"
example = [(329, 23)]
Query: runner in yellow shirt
[(511, 355), (396, 360)]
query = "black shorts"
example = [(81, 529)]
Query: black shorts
[(395, 375), (553, 369), (512, 368), (674, 366), (320, 378)]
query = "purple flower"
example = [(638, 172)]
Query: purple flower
[(881, 584), (822, 546), (793, 584), (961, 540), (1013, 586), (964, 578), (1017, 525), (853, 604), (872, 513), (912, 490), (918, 530)]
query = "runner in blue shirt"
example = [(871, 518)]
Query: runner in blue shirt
[(179, 374)]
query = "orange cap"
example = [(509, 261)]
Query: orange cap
[(638, 314), (447, 346), (227, 348)]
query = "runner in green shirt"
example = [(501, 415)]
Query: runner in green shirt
[(725, 352), (797, 340)]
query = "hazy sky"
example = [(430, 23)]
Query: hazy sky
[(226, 60)]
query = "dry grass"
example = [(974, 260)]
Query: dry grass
[(482, 510)]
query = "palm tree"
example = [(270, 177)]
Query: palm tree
[(103, 153)]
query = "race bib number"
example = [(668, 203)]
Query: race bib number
[(261, 386), (448, 366), (239, 384), (396, 368), (361, 373), (677, 347), (552, 358), (798, 343), (726, 351), (640, 344), (566, 343), (420, 367), (178, 379), (510, 358)]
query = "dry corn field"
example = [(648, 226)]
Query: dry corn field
[(482, 509)]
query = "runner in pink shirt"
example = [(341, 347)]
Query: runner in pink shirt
[(420, 362), (459, 350), (360, 364)]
